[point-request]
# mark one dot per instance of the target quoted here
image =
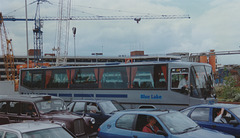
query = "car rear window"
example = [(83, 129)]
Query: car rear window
[(108, 107), (186, 112), (236, 111)]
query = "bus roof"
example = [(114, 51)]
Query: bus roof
[(117, 64)]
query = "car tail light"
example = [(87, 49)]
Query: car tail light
[(98, 129)]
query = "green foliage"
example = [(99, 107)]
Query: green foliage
[(229, 91)]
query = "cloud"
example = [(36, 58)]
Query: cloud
[(217, 28), (214, 26)]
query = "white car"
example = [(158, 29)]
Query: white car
[(34, 130)]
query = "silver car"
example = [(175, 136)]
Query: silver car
[(34, 130)]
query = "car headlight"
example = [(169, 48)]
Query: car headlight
[(92, 120)]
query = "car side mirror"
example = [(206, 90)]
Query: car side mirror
[(34, 115), (160, 132), (98, 113), (234, 123)]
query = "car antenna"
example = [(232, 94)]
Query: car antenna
[(93, 98)]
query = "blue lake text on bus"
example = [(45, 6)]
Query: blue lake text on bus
[(151, 96)]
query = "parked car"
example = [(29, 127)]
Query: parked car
[(34, 130), (100, 110), (205, 114), (17, 108), (172, 124)]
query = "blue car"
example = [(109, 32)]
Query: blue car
[(205, 115), (171, 124), (100, 110)]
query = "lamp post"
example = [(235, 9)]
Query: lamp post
[(27, 32), (97, 55), (74, 29)]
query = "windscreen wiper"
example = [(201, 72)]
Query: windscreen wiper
[(190, 129)]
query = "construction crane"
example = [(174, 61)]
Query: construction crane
[(63, 32), (37, 35), (135, 18), (68, 18), (7, 51)]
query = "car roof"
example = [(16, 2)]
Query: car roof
[(27, 98), (97, 101), (146, 111), (217, 105), (28, 126)]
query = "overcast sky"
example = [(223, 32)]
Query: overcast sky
[(214, 24)]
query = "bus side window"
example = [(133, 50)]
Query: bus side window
[(160, 76), (114, 78)]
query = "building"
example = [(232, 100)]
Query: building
[(86, 60)]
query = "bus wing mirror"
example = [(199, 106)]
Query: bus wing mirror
[(184, 90)]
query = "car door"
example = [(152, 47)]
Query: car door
[(201, 116), (225, 127), (141, 121)]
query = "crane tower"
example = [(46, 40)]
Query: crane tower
[(7, 51), (64, 9), (37, 35)]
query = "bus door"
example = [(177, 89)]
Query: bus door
[(201, 82)]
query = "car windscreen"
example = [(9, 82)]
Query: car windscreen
[(178, 123), (108, 107), (50, 105), (236, 111), (48, 133)]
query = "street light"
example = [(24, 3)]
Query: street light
[(26, 32), (74, 29), (97, 55)]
